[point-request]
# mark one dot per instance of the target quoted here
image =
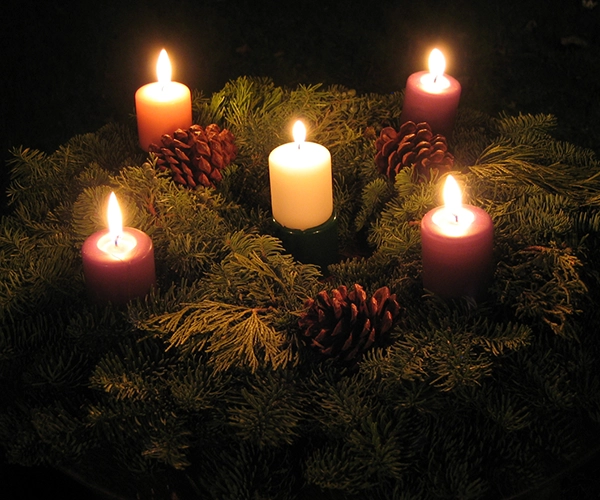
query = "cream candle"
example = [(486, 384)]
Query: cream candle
[(456, 244), (163, 106), (301, 182), (118, 263), (432, 96)]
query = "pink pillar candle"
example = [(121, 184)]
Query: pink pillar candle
[(432, 97), (118, 264), (163, 106), (457, 248)]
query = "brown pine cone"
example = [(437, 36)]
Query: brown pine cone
[(346, 323), (414, 146), (196, 156)]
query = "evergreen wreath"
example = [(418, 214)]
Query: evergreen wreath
[(205, 388)]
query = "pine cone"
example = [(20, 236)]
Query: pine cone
[(345, 324), (196, 156), (414, 146)]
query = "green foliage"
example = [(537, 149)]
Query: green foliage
[(242, 471), (206, 386), (34, 271), (396, 231), (270, 411), (544, 284), (374, 196), (226, 321)]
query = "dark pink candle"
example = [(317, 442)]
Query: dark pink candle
[(118, 263), (457, 245), (432, 97)]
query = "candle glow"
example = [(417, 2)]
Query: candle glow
[(437, 63), (452, 194), (116, 243), (163, 68), (115, 219), (435, 81), (299, 133), (454, 219)]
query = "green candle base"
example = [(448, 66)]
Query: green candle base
[(317, 245)]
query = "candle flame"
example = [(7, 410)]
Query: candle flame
[(299, 132), (437, 64), (163, 67), (115, 219), (452, 196)]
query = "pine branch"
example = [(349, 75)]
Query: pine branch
[(241, 470), (375, 194), (269, 412), (505, 162), (396, 231), (545, 285), (231, 335), (34, 271), (515, 127)]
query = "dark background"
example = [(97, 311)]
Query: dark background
[(69, 67)]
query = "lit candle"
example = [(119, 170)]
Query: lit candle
[(118, 263), (432, 96), (301, 182), (163, 106), (457, 245)]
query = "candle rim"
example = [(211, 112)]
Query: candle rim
[(91, 250), (434, 87), (297, 157), (123, 248), (444, 223)]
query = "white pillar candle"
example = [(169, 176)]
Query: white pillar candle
[(301, 182)]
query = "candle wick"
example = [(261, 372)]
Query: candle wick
[(116, 240), (298, 145), (435, 79), (456, 218)]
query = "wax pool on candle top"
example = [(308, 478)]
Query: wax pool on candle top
[(118, 263), (163, 106), (301, 182), (432, 97), (457, 245)]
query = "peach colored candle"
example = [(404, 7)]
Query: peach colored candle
[(118, 263), (457, 244), (163, 106), (432, 96), (301, 182)]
